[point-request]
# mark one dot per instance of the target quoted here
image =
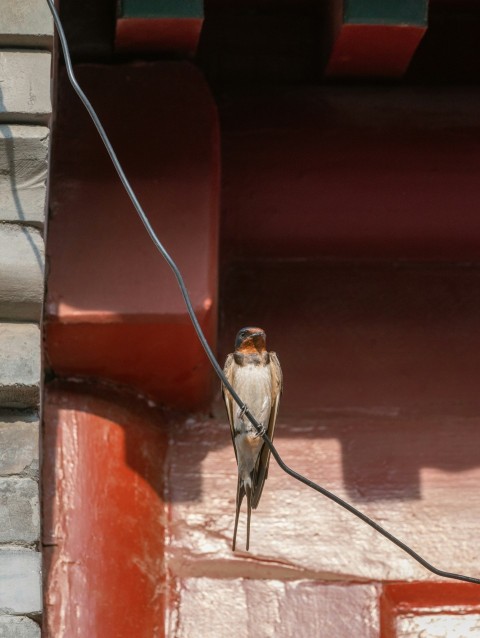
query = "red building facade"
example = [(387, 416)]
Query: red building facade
[(313, 172)]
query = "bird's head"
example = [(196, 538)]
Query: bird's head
[(250, 340)]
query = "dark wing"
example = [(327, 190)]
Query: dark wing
[(261, 470), (227, 397)]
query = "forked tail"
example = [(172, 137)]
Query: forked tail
[(241, 492)]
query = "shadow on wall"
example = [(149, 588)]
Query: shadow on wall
[(382, 357)]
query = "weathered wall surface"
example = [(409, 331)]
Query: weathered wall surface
[(26, 34)]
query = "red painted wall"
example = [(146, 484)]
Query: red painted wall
[(380, 364), (374, 173)]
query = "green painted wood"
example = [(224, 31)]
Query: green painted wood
[(398, 12), (161, 9)]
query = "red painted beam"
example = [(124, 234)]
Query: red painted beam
[(153, 26), (375, 39), (157, 35), (370, 50), (104, 514), (113, 309)]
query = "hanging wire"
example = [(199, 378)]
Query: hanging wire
[(201, 336)]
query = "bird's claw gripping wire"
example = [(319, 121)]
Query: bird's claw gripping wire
[(261, 432)]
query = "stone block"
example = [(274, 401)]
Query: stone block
[(27, 23), (20, 365), (18, 627), (23, 173), (22, 259), (264, 608), (19, 510), (25, 87), (20, 582), (19, 437)]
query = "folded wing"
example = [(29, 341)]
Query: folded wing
[(261, 470)]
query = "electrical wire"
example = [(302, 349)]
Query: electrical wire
[(201, 336)]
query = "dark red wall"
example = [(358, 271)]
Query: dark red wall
[(351, 174)]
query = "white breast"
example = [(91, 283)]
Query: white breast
[(253, 384)]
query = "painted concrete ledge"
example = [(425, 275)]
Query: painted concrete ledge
[(20, 581), (20, 369), (22, 259), (210, 607), (263, 608), (384, 465), (26, 24), (23, 173), (25, 88)]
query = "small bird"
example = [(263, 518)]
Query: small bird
[(256, 377)]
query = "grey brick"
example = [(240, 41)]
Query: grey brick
[(20, 582), (19, 437), (26, 23), (19, 365), (23, 172), (19, 510), (25, 86), (18, 627), (22, 257)]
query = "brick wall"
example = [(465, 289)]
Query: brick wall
[(26, 32)]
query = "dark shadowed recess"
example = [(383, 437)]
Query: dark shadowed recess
[(260, 41)]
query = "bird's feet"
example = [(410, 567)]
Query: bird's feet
[(260, 432)]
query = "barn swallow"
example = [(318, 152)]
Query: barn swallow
[(256, 377)]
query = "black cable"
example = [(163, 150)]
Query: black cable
[(201, 336)]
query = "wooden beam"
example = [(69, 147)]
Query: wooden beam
[(159, 26), (375, 39)]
